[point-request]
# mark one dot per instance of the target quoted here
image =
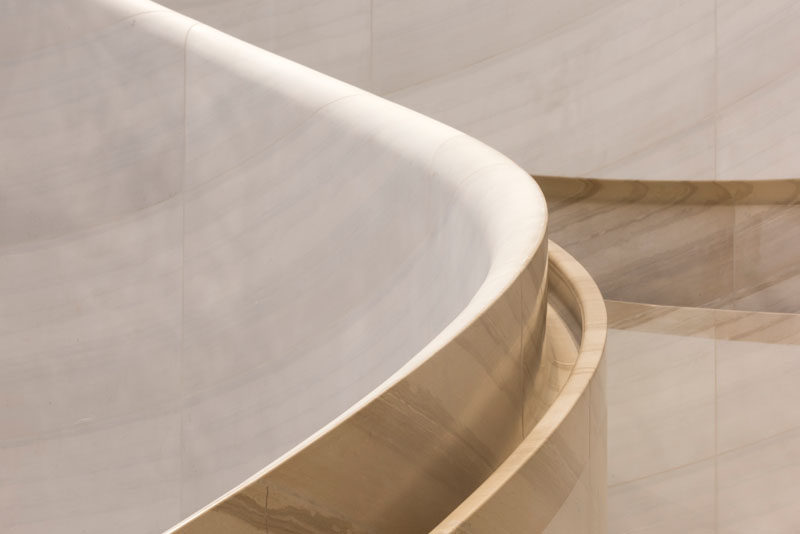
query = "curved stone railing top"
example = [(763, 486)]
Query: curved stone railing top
[(555, 480), (217, 252)]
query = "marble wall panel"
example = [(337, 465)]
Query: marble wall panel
[(749, 475), (635, 89), (67, 483), (570, 100), (660, 402), (70, 312), (758, 486), (331, 36), (757, 385), (620, 86), (757, 82), (416, 41), (758, 355), (93, 117), (91, 130), (679, 500)]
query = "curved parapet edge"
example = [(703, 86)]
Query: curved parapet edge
[(403, 456), (555, 481), (251, 134), (410, 451)]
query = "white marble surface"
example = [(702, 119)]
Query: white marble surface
[(332, 36), (599, 91), (756, 391), (744, 478), (680, 500), (207, 252), (758, 486), (633, 89), (91, 151), (757, 85), (86, 106), (660, 402)]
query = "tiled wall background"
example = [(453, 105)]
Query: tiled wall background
[(703, 426), (637, 89)]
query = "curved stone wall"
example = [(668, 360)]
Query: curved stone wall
[(632, 89), (395, 464), (208, 253), (555, 480), (679, 121)]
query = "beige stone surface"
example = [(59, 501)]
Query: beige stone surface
[(660, 402), (332, 36), (208, 253), (678, 500), (553, 481), (448, 441), (635, 89), (747, 480), (758, 486), (713, 244)]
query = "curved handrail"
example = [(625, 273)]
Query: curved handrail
[(527, 490), (525, 493)]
